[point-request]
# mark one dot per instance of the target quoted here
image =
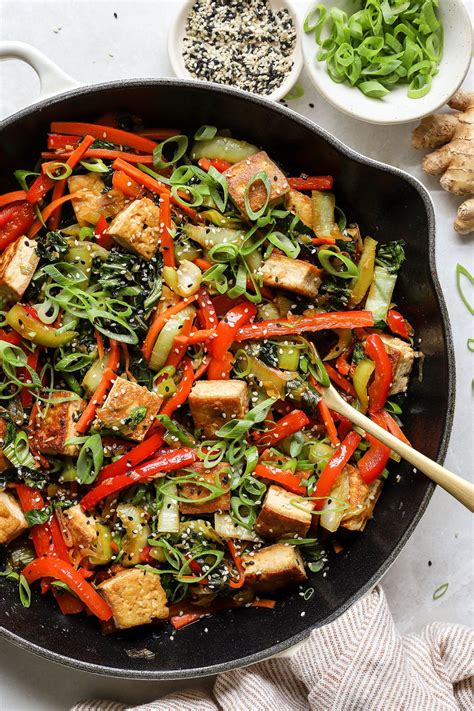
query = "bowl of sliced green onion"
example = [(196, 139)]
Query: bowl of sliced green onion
[(387, 61)]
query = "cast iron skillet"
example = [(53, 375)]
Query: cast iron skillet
[(388, 204)]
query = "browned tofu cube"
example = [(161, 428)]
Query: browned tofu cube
[(292, 274), (362, 500), (136, 598), (137, 228), (215, 402), (17, 266), (93, 199), (239, 175), (283, 514), (12, 520), (80, 528), (300, 204), (218, 476), (274, 567), (58, 425), (4, 462), (402, 356), (129, 409)]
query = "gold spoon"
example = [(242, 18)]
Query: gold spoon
[(455, 485)]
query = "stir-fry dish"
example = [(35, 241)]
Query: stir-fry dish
[(172, 309)]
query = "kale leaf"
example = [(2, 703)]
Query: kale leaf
[(391, 256)]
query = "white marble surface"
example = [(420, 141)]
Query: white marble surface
[(86, 40)]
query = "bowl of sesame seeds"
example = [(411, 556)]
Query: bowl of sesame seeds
[(253, 45)]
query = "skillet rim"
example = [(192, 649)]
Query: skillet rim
[(157, 675)]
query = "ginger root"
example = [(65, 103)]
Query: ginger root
[(454, 160)]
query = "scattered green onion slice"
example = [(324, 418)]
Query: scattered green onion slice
[(326, 255), (181, 146), (58, 171), (260, 177), (463, 272), (440, 591), (205, 133), (95, 165)]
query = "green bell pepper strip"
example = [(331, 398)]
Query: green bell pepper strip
[(33, 330)]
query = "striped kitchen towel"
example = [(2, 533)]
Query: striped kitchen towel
[(357, 663)]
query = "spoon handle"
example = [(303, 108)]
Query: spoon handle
[(455, 485)]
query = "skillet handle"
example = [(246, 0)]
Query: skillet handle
[(53, 80)]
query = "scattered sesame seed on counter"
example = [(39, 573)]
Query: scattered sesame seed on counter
[(243, 43)]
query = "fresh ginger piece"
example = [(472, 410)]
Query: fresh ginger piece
[(453, 136)]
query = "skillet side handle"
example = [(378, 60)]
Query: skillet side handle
[(53, 80)]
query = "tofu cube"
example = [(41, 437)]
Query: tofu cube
[(362, 500), (292, 274), (239, 175), (80, 528), (215, 402), (17, 265), (129, 409), (219, 476), (4, 462), (137, 228), (300, 204), (274, 567), (52, 431), (93, 199), (283, 514), (136, 598), (402, 356), (12, 520)]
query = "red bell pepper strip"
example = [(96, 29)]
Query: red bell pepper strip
[(39, 188), (68, 604), (342, 366), (217, 163), (105, 133), (50, 567), (103, 154), (207, 308), (101, 236), (203, 367), (284, 478), (300, 324), (323, 240), (158, 323), (41, 533), (60, 141), (183, 390), (344, 427), (327, 418), (293, 422), (184, 614), (311, 182), (15, 221), (167, 462), (379, 388), (234, 319), (167, 244), (196, 337), (154, 185), (96, 400), (236, 584), (14, 196), (374, 460), (340, 381), (129, 187), (159, 134), (13, 337), (60, 548), (135, 456), (399, 325), (333, 468)]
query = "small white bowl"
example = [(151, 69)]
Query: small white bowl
[(397, 107), (175, 48)]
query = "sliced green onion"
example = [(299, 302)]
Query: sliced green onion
[(205, 133), (58, 171), (194, 192), (440, 591), (326, 255), (283, 242), (95, 165), (463, 272), (260, 177), (90, 459), (22, 175), (180, 147)]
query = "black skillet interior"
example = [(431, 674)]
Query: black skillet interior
[(387, 205)]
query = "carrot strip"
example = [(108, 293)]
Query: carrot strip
[(339, 380), (48, 211), (12, 197), (89, 413), (159, 133), (103, 154), (202, 263), (203, 367), (236, 584), (105, 133), (158, 323), (129, 187), (327, 418), (184, 388), (196, 337), (100, 344), (60, 185)]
